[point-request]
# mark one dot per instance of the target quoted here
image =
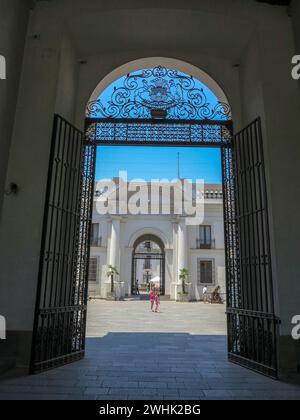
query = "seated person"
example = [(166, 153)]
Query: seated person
[(215, 295)]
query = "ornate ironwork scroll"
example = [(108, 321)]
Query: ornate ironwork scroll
[(161, 93)]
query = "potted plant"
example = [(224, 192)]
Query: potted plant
[(183, 276), (185, 294), (112, 272)]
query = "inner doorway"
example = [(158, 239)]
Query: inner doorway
[(148, 265)]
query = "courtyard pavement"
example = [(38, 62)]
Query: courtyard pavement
[(133, 354)]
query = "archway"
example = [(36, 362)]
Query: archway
[(148, 264), (156, 106)]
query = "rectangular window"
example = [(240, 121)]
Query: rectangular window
[(95, 235), (205, 234), (205, 272), (205, 241), (93, 266)]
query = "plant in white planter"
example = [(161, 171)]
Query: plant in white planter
[(112, 272), (183, 276)]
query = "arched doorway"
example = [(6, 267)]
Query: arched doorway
[(148, 264), (166, 107)]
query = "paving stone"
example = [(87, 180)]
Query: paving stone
[(90, 384), (112, 398), (179, 385), (57, 390), (241, 393), (214, 393), (120, 384), (192, 393), (96, 391), (15, 389), (121, 392), (81, 397), (158, 385)]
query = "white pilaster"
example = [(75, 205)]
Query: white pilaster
[(182, 245), (114, 251), (181, 252)]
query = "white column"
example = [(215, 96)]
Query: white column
[(114, 251), (173, 285), (182, 245), (181, 252)]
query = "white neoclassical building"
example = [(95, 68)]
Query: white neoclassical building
[(146, 247)]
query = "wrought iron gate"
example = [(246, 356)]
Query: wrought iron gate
[(59, 330), (162, 261), (161, 257), (60, 318), (252, 324)]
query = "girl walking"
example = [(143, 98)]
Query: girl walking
[(152, 298)]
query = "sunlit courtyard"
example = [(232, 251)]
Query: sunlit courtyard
[(134, 316)]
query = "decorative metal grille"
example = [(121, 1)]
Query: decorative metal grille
[(59, 330), (160, 132), (162, 92), (252, 324)]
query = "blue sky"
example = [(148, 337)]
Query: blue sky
[(159, 162)]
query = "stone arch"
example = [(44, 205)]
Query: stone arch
[(149, 237), (149, 231)]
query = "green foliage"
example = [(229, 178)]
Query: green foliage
[(112, 271), (183, 276)]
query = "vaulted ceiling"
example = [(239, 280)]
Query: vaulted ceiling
[(156, 26)]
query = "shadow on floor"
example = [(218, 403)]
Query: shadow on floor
[(150, 366)]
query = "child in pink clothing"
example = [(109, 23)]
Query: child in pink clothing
[(152, 299)]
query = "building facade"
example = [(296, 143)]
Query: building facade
[(148, 247)]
